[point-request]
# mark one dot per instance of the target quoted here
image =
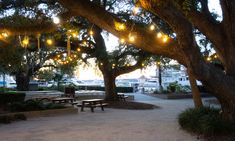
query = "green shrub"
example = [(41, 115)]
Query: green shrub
[(206, 121), (173, 87), (5, 119), (11, 97), (54, 106), (33, 105)]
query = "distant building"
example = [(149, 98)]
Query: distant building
[(9, 81), (169, 75)]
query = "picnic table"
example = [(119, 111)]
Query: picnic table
[(122, 97), (92, 103)]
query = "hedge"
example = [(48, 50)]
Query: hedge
[(11, 97)]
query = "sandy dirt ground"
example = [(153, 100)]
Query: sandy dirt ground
[(109, 125)]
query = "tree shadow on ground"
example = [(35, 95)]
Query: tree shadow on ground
[(130, 105)]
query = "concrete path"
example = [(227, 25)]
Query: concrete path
[(110, 125)]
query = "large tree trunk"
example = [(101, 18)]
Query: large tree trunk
[(22, 81), (195, 92), (228, 108), (110, 86)]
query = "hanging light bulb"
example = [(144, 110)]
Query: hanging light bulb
[(78, 49), (25, 42), (91, 32), (122, 40), (165, 39), (49, 41), (74, 34), (56, 20), (74, 56), (208, 59), (119, 26), (159, 35), (131, 38), (4, 34), (152, 27)]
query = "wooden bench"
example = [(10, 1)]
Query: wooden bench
[(122, 97), (92, 103), (63, 100)]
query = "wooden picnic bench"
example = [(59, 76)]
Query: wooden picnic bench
[(122, 97), (63, 100), (92, 103)]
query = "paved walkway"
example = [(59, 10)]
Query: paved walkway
[(110, 125)]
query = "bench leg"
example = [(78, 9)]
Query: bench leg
[(102, 108), (82, 108), (92, 109)]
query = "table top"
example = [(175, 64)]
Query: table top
[(92, 100)]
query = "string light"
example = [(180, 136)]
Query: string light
[(101, 64), (215, 56), (208, 59), (152, 27), (49, 41), (131, 38), (159, 35), (158, 63), (75, 56), (84, 43), (74, 34), (122, 40), (113, 65), (56, 20), (91, 32), (78, 49), (25, 42), (142, 64), (119, 26), (165, 39), (4, 34)]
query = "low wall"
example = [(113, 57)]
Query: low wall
[(43, 113), (178, 96)]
